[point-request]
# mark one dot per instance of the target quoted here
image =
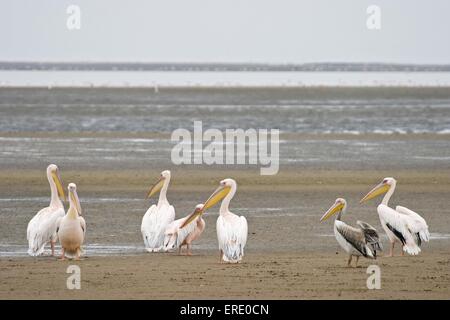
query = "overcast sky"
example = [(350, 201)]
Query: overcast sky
[(275, 31)]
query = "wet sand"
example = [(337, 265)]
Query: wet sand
[(289, 253), (270, 275)]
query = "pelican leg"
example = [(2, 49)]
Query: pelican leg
[(402, 251), (77, 256), (220, 256), (349, 260), (179, 250), (356, 264), (52, 244), (189, 252), (391, 251), (63, 256)]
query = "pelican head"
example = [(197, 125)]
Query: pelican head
[(381, 188), (73, 197), (198, 211), (165, 176), (225, 187), (339, 205), (53, 173)]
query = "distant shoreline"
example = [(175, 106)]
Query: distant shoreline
[(221, 67), (263, 92)]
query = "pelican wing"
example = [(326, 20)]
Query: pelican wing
[(58, 223), (42, 229), (396, 222), (355, 237), (243, 232), (83, 225), (371, 235), (232, 235), (154, 223), (416, 224), (184, 232)]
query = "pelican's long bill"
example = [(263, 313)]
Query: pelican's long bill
[(220, 193), (57, 179), (336, 207), (380, 189), (74, 197), (194, 215), (156, 187)]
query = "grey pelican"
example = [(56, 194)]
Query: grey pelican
[(362, 241)]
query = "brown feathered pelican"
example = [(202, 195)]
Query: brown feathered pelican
[(72, 227), (184, 231), (362, 241)]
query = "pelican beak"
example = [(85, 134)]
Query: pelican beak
[(194, 215), (220, 193), (338, 206), (156, 187), (380, 189), (57, 179), (74, 197)]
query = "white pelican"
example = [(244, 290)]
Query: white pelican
[(362, 241), (231, 229), (158, 216), (72, 227), (42, 227), (184, 231), (402, 225)]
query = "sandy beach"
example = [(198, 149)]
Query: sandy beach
[(290, 255), (268, 275)]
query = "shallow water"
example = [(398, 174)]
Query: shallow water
[(128, 153), (73, 111), (98, 111)]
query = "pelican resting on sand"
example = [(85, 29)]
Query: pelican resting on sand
[(72, 227), (232, 230), (401, 225), (157, 217), (184, 231), (42, 227), (361, 241)]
